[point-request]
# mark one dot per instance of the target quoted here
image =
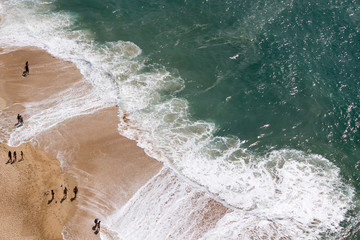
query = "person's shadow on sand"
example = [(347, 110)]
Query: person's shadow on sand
[(63, 199)]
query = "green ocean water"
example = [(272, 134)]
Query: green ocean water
[(276, 74), (291, 70)]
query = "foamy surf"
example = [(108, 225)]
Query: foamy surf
[(285, 193), (44, 115)]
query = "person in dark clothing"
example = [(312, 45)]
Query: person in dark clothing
[(14, 157), (52, 196), (27, 71), (10, 157), (75, 192), (27, 67)]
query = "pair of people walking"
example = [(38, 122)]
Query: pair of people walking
[(96, 228), (20, 120)]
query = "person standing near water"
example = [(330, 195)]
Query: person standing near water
[(10, 157), (98, 228), (27, 71), (75, 192), (96, 223)]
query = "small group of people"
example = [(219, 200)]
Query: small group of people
[(20, 120), (27, 71), (12, 157), (96, 228), (75, 190)]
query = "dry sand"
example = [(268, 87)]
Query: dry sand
[(99, 157), (26, 185), (107, 168)]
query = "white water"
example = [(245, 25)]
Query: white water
[(285, 193), (165, 208)]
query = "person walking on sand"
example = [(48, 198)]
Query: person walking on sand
[(10, 157), (65, 192), (75, 192), (22, 155), (96, 223), (52, 196), (14, 156), (18, 118), (27, 71), (27, 67)]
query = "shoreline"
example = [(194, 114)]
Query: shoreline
[(100, 158)]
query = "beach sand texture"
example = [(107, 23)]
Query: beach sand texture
[(86, 150), (26, 186), (101, 158)]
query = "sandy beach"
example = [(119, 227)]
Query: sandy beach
[(97, 157), (85, 151), (26, 184)]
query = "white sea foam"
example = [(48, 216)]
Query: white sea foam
[(286, 193), (303, 190), (165, 208), (43, 115)]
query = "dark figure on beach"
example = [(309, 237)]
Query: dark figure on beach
[(22, 155), (14, 156), (75, 192), (65, 195), (10, 157), (52, 196), (21, 121), (96, 223), (26, 72), (18, 118), (98, 228)]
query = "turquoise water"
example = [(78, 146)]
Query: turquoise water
[(261, 84), (275, 74), (291, 69)]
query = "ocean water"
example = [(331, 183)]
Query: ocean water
[(252, 103)]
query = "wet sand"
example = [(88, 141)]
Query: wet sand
[(86, 151), (107, 167)]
